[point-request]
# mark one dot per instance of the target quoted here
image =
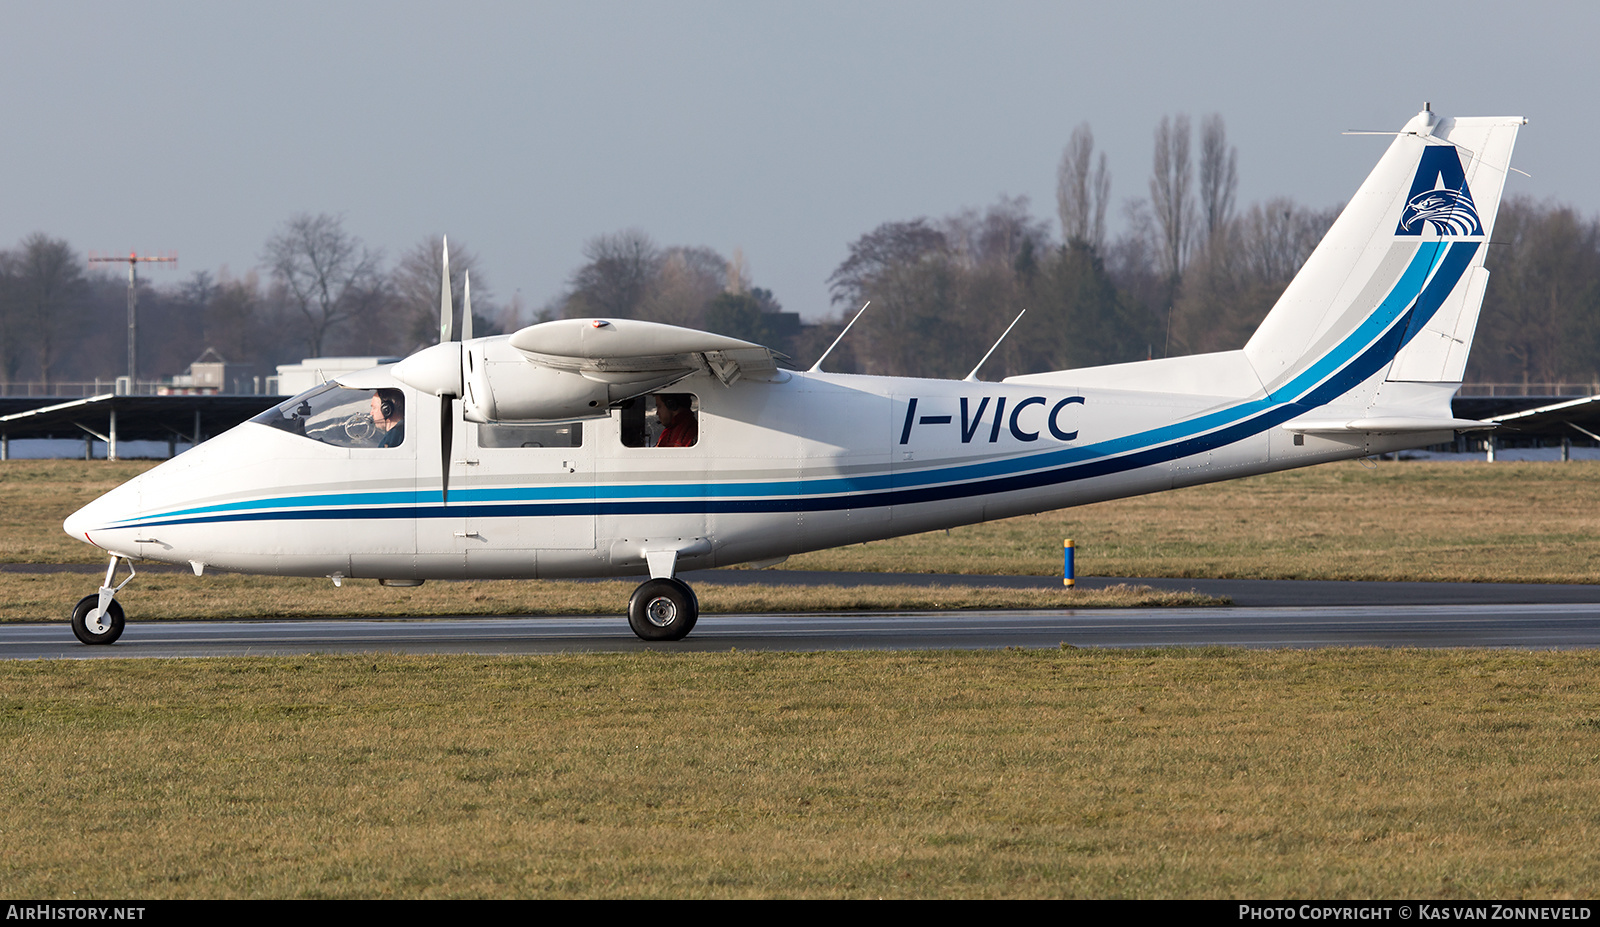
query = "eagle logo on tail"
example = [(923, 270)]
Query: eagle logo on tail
[(1450, 212)]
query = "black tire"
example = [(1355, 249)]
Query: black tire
[(80, 621), (663, 610)]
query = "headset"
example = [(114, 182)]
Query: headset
[(387, 403)]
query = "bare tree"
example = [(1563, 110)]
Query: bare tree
[(879, 254), (617, 277), (738, 273), (1541, 313), (685, 282), (10, 323), (932, 287), (1219, 174), (1082, 192), (1170, 192), (47, 298), (1236, 274), (996, 237), (1277, 236), (325, 272)]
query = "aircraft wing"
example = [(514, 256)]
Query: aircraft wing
[(1579, 414), (618, 351)]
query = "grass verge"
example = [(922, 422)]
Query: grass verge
[(155, 596), (1401, 520)]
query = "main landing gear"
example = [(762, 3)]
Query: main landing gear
[(663, 609), (98, 618)]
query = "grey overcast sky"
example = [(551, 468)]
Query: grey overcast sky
[(787, 130)]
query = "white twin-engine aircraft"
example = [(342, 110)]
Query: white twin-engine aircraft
[(608, 447)]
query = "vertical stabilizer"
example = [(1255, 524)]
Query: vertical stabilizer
[(1393, 290)]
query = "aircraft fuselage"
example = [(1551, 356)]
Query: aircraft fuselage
[(811, 461)]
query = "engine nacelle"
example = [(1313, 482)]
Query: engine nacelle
[(520, 391)]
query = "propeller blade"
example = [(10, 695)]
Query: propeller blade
[(466, 306), (444, 290), (446, 436), (447, 403)]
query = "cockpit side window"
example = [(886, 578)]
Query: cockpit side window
[(661, 420), (342, 417)]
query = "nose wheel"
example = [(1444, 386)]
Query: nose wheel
[(663, 610), (95, 625)]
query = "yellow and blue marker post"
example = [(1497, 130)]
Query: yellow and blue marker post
[(1068, 575)]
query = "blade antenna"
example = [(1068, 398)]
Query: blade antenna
[(817, 367), (466, 305), (973, 376)]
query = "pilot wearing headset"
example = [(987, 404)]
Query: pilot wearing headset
[(388, 415)]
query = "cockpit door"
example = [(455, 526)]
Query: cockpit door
[(534, 496)]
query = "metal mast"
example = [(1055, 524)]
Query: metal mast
[(133, 260)]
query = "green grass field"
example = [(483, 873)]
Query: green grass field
[(1060, 773)]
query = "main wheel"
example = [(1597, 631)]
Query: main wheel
[(91, 626), (663, 610)]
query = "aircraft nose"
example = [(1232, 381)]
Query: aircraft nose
[(77, 524), (99, 516)]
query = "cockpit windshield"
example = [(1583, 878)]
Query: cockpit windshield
[(342, 416)]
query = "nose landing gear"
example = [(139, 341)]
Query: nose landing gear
[(98, 618)]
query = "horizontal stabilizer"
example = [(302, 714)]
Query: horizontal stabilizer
[(1386, 425)]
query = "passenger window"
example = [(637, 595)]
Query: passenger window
[(568, 434), (661, 420)]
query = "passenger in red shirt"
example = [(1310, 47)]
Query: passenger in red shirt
[(675, 413)]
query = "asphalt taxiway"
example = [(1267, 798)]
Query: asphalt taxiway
[(1264, 613)]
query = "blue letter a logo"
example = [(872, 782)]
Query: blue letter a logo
[(1439, 197)]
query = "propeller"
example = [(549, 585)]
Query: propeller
[(438, 370), (447, 401)]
